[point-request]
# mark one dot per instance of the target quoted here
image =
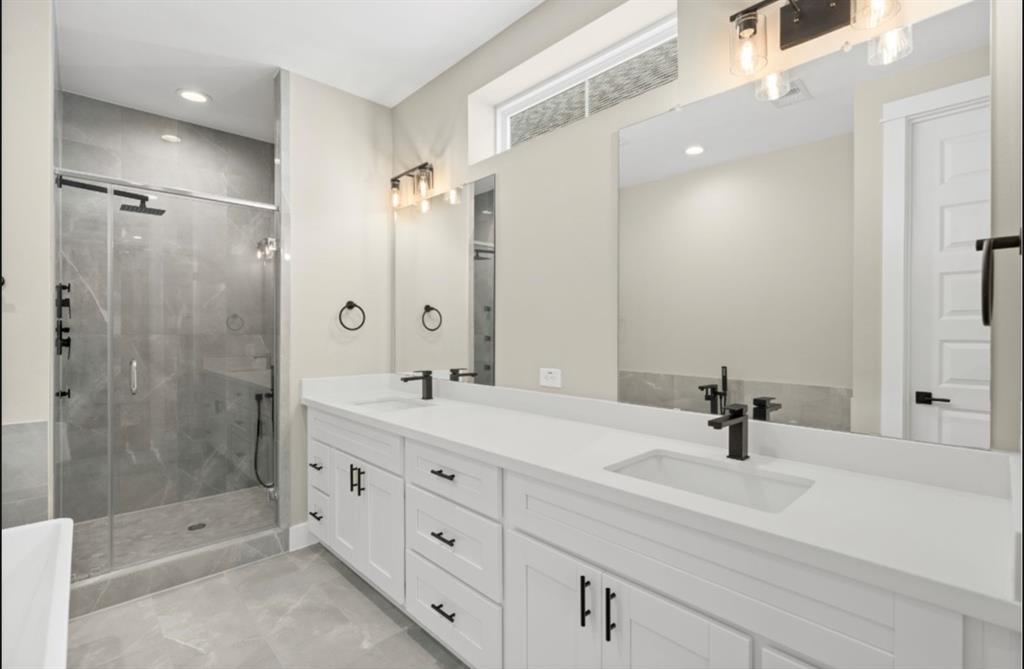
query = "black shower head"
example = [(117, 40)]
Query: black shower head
[(141, 208)]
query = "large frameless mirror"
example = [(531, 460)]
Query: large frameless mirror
[(813, 255)]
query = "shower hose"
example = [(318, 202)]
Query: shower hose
[(259, 435)]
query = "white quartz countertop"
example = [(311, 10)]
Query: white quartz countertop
[(952, 548)]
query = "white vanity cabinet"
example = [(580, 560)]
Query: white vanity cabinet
[(564, 612)]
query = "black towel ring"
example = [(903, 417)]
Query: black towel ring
[(349, 306), (423, 319)]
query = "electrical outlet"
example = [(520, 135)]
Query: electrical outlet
[(550, 377)]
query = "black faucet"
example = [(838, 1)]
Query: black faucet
[(735, 418), (455, 373), (712, 395), (764, 406), (427, 377)]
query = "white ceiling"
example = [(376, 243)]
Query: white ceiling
[(734, 125), (139, 53)]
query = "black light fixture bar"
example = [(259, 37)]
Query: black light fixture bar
[(803, 20), (413, 171), (753, 9)]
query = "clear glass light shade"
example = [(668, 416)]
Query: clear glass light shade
[(772, 86), (396, 196), (870, 14), (748, 45), (891, 46), (424, 205), (423, 183)]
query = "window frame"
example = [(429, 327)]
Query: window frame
[(656, 34)]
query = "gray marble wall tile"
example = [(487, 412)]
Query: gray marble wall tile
[(24, 473), (814, 406)]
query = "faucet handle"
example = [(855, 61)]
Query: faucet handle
[(736, 410), (763, 401), (710, 390)]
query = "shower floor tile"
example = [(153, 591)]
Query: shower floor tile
[(147, 534), (298, 610)]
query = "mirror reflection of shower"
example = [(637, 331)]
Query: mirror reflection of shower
[(483, 280), (266, 248)]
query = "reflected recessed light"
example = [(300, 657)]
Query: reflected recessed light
[(694, 150), (173, 139), (193, 96)]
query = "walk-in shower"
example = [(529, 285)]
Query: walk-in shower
[(164, 418)]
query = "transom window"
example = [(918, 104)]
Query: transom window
[(642, 62)]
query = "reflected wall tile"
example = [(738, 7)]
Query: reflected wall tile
[(89, 158), (92, 122)]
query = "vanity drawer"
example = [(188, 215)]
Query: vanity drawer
[(464, 543), (468, 482), (318, 469), (776, 659), (318, 516), (456, 614), (374, 446)]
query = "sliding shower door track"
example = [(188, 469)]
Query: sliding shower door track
[(167, 190)]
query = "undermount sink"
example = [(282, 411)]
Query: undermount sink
[(394, 404), (732, 482)]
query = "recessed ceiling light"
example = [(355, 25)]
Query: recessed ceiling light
[(193, 96), (694, 150), (173, 139)]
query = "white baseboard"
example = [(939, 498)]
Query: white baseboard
[(299, 536)]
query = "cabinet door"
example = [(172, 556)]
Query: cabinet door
[(346, 526), (552, 612), (382, 497), (649, 632)]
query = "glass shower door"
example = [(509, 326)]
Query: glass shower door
[(192, 348)]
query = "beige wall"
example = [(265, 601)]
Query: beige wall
[(27, 201), (769, 276), (867, 217), (557, 198), (1006, 220), (336, 235)]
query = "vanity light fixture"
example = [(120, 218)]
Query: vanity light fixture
[(694, 150), (870, 14), (172, 139), (748, 44), (424, 205), (193, 95), (891, 46), (422, 179), (773, 87), (396, 193)]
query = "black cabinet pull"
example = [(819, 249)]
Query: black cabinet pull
[(316, 516), (450, 617), (608, 624), (442, 474), (352, 484), (360, 488), (316, 465), (584, 611), (444, 540)]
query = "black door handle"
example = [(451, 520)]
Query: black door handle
[(608, 624), (316, 516), (441, 473), (450, 617), (584, 611), (925, 397), (443, 539)]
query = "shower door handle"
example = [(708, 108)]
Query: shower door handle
[(133, 376)]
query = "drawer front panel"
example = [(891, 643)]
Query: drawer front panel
[(319, 466), (836, 620), (468, 482), (460, 617), (463, 543), (374, 446), (776, 659), (319, 515)]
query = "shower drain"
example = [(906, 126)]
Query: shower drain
[(196, 526)]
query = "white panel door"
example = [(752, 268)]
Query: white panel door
[(552, 608), (950, 187), (646, 631), (347, 521), (382, 496)]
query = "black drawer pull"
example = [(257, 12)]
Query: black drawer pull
[(316, 516), (450, 617), (608, 624), (316, 465), (442, 474), (440, 537), (352, 484), (584, 611)]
